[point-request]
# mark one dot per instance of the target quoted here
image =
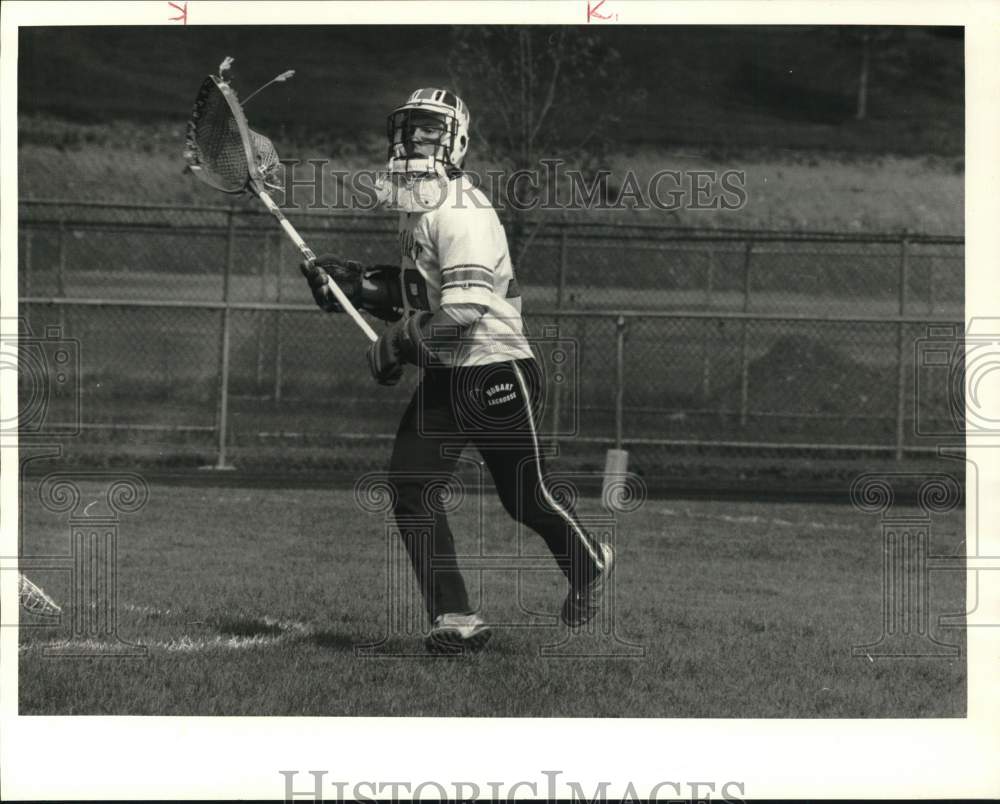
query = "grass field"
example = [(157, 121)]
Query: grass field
[(254, 601)]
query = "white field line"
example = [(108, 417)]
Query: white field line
[(182, 645), (140, 609), (290, 631), (757, 520)]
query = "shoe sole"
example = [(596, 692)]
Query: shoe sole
[(579, 623), (581, 619), (452, 643)]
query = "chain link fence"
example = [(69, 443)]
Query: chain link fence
[(197, 335)]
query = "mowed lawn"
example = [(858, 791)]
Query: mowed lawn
[(259, 601)]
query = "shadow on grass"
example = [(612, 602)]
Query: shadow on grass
[(333, 640), (249, 627), (256, 627)]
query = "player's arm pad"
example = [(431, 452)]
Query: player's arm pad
[(464, 314), (374, 288), (425, 334)]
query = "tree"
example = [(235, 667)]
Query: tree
[(884, 47), (538, 92), (866, 61)]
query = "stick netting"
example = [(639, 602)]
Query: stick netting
[(215, 148), (33, 598)]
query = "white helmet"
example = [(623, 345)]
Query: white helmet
[(436, 109)]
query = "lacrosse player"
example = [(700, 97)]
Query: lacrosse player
[(454, 310)]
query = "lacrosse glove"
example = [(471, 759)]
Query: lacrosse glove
[(374, 288), (400, 343)]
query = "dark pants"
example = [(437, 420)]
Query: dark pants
[(495, 408)]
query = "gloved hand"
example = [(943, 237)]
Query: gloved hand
[(346, 273), (373, 288), (399, 343)]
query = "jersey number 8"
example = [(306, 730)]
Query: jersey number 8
[(415, 289)]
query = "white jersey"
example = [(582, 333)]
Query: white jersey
[(455, 252)]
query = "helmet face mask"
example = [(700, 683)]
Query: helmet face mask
[(428, 134), (418, 135)]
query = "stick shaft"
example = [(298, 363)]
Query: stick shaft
[(308, 254)]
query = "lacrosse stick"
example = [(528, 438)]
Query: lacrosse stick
[(33, 598), (223, 151)]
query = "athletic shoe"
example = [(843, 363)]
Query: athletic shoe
[(458, 633), (581, 605)]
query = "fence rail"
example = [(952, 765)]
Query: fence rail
[(192, 320)]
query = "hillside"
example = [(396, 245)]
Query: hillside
[(723, 88), (133, 162), (103, 111)]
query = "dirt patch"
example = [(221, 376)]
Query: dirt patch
[(805, 375)]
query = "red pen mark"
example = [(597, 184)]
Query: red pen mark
[(592, 12), (184, 12)]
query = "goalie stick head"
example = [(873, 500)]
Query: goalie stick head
[(220, 148), (33, 598)]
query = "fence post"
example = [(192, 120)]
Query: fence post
[(223, 415), (560, 296), (904, 275), (277, 321), (706, 360), (616, 460), (931, 301), (28, 238), (710, 277), (561, 287), (259, 315), (619, 380), (60, 279), (745, 345)]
